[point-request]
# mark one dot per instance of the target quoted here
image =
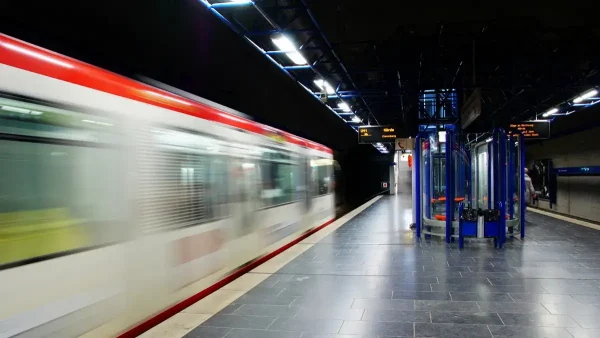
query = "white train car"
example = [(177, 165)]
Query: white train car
[(119, 199)]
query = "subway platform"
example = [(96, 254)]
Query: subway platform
[(366, 275)]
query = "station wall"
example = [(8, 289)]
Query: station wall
[(576, 196)]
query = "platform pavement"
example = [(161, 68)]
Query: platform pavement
[(370, 277)]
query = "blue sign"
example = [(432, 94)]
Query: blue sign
[(571, 171)]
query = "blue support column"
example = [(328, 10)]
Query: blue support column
[(460, 226), (522, 197), (418, 195), (449, 181), (427, 174), (469, 169), (501, 225), (511, 177), (489, 175), (495, 170), (502, 184)]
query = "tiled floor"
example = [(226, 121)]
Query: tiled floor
[(371, 278)]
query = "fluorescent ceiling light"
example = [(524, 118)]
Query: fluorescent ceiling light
[(489, 140), (16, 109), (35, 112), (356, 119), (297, 58), (550, 112), (241, 1), (286, 45), (344, 106), (586, 95), (324, 85)]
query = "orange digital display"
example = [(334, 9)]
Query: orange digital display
[(376, 134), (530, 129)]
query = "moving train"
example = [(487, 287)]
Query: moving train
[(119, 199)]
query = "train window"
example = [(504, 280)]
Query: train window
[(180, 185), (60, 182), (322, 176), (280, 176)]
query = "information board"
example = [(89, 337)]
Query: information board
[(532, 130), (376, 134)]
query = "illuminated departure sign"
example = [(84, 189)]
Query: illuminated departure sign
[(376, 134), (532, 130)]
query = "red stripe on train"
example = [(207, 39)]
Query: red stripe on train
[(25, 56)]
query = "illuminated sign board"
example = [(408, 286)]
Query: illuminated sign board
[(376, 134), (532, 130)]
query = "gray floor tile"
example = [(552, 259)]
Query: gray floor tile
[(573, 309), (306, 325), (525, 319), (542, 298), (269, 300), (584, 333), (587, 321), (246, 333), (377, 328), (383, 304), (330, 313), (411, 287), (512, 307), (208, 332), (239, 322), (478, 287), (328, 335), (583, 299), (528, 332), (336, 302), (451, 330), (421, 295), (483, 318), (437, 305), (396, 316), (480, 297), (370, 278), (263, 310), (229, 309)]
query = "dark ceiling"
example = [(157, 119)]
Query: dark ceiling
[(526, 58)]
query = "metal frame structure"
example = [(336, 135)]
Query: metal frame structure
[(500, 166), (314, 55)]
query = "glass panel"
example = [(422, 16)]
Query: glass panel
[(281, 175), (60, 187), (482, 176)]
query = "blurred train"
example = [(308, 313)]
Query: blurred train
[(119, 199)]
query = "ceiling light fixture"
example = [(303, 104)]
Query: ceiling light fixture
[(287, 46), (324, 85), (550, 112), (344, 106), (585, 96)]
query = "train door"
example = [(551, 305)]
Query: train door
[(309, 181), (245, 196)]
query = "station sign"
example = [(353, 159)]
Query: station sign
[(376, 134), (532, 130)]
